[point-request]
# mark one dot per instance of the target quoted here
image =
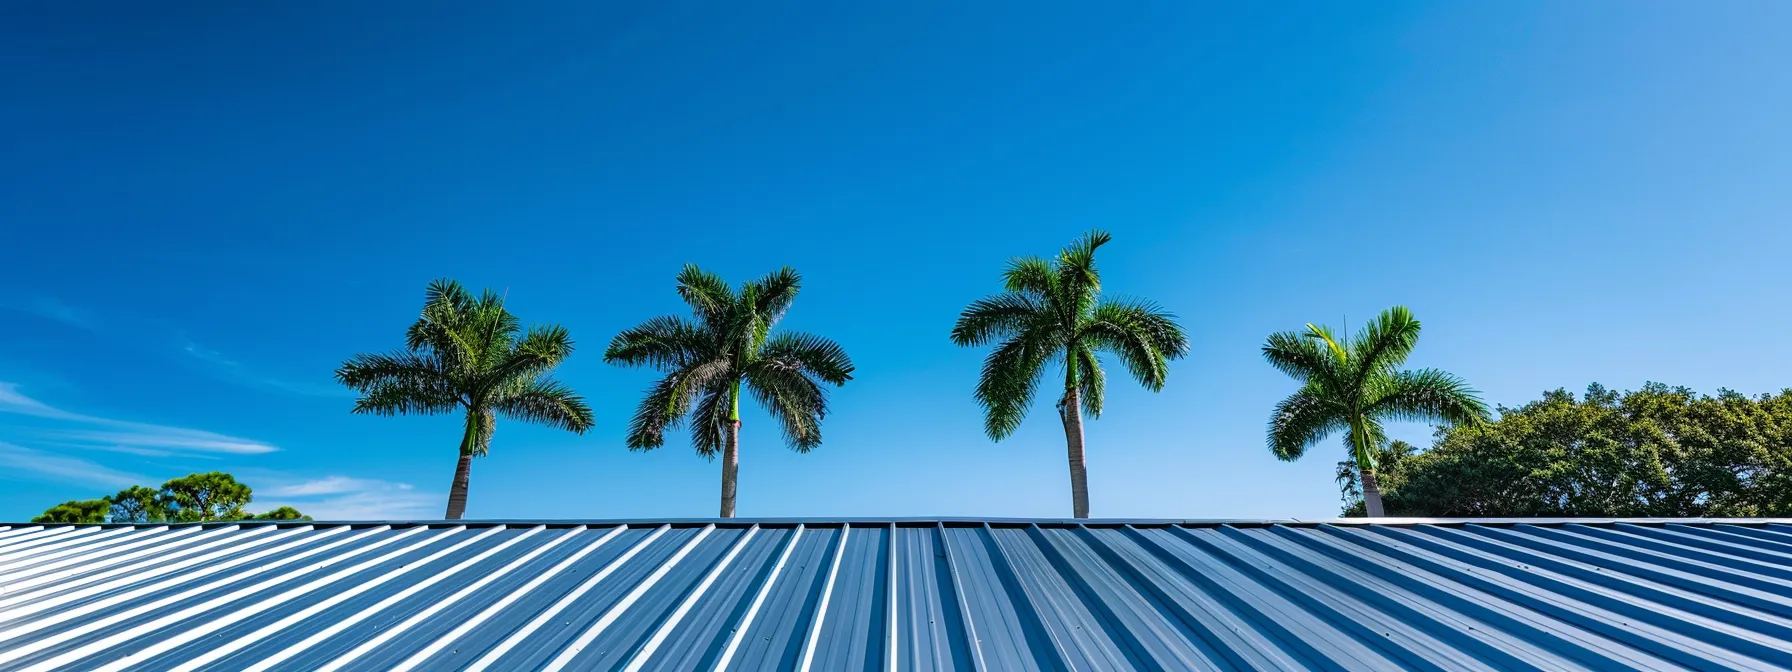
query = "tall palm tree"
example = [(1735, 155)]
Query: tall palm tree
[(724, 346), (469, 354), (1051, 312), (1354, 387)]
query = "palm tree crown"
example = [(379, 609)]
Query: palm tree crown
[(1355, 386), (469, 353), (726, 345), (1053, 312)]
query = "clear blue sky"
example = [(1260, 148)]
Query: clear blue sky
[(203, 210)]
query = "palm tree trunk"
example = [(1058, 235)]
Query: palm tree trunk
[(1372, 494), (1073, 437), (463, 471), (457, 493), (730, 467)]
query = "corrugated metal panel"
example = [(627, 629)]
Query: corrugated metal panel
[(899, 595)]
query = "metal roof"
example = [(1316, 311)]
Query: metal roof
[(899, 595)]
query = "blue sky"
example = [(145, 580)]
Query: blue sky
[(203, 210)]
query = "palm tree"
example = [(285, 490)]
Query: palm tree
[(1354, 387), (726, 345), (467, 353), (1051, 312)]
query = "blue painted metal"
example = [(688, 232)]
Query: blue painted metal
[(900, 594)]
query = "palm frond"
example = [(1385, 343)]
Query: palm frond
[(1009, 382), (774, 293), (1425, 395), (547, 402), (1384, 343), (997, 317), (709, 421), (806, 354), (442, 327), (1078, 281), (484, 423), (1091, 382), (444, 301), (708, 295), (368, 370), (1031, 276), (406, 397), (794, 400), (537, 352), (1299, 356), (493, 330), (1301, 420), (663, 408), (1364, 454), (670, 399), (664, 342), (1323, 334), (1142, 335)]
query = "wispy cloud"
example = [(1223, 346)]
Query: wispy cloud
[(156, 436), (233, 371), (124, 433), (11, 401), (51, 308), (63, 468), (348, 498), (208, 355)]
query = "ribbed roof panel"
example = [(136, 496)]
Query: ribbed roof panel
[(899, 595)]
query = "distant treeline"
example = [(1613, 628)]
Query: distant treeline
[(1657, 451), (196, 498)]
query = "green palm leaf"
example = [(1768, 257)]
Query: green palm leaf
[(467, 353), (1051, 311), (729, 345), (1353, 387)]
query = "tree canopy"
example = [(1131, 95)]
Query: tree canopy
[(1052, 311), (1656, 451), (194, 498), (468, 353), (1352, 386), (728, 344)]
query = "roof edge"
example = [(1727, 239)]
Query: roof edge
[(951, 521)]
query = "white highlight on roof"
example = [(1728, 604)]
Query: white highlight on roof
[(344, 624), (827, 591), (93, 648), (559, 662), (152, 546), (125, 577), (56, 537), (665, 629), (393, 631), (91, 542), (455, 634), (548, 614), (746, 620), (890, 596), (216, 624)]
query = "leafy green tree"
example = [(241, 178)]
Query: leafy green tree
[(207, 497), (726, 346), (469, 354), (1657, 451), (195, 498), (1052, 312), (1355, 386), (282, 513), (137, 504), (75, 511), (1388, 459)]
